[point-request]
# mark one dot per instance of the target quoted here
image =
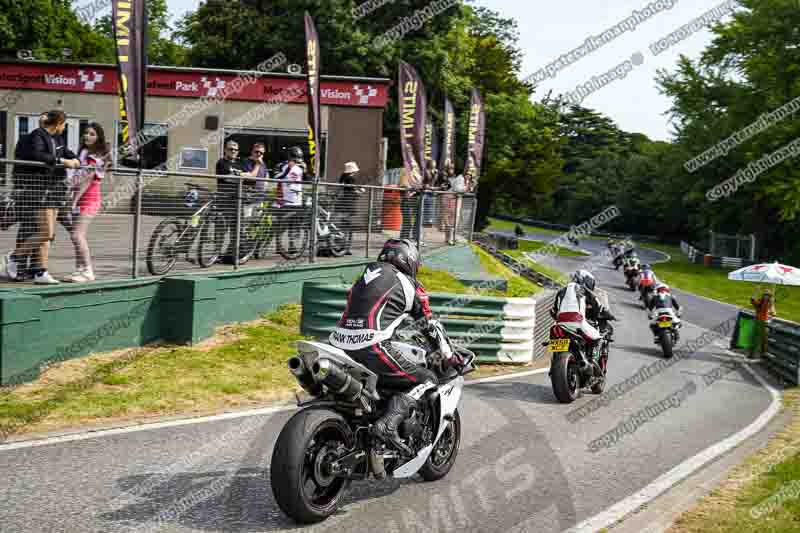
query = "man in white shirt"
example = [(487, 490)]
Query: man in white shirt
[(290, 189)]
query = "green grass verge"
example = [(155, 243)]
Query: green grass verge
[(768, 484), (247, 367), (714, 283), (241, 366), (504, 225), (518, 287), (443, 281), (535, 246), (543, 269)]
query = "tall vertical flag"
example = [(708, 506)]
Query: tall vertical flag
[(313, 57), (413, 111), (130, 37), (447, 157), (477, 126), (430, 150)]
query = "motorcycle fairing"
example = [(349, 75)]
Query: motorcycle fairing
[(448, 398)]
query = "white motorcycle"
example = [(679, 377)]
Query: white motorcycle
[(327, 444), (664, 325)]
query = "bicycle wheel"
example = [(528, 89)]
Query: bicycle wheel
[(265, 231), (249, 240), (212, 240), (293, 237), (165, 246)]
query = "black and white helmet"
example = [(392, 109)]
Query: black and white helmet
[(403, 254), (295, 153), (584, 278)]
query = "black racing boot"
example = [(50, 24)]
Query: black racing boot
[(386, 427)]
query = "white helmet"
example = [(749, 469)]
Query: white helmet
[(584, 278)]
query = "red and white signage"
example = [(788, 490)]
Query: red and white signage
[(103, 80)]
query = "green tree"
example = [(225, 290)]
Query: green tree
[(751, 67), (47, 27), (162, 48)]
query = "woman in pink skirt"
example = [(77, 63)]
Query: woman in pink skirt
[(94, 152)]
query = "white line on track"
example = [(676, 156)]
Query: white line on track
[(213, 418), (664, 482)]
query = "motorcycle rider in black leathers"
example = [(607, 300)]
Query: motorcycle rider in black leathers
[(585, 284), (383, 297)]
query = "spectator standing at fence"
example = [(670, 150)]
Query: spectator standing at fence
[(95, 158), (254, 166), (765, 311), (228, 165), (290, 174), (46, 191), (449, 184), (406, 205), (347, 201)]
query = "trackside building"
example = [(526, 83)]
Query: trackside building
[(271, 109)]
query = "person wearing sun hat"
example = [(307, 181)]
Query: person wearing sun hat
[(347, 200)]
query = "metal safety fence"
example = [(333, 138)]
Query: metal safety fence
[(86, 224)]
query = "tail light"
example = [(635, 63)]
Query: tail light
[(665, 317), (556, 332)]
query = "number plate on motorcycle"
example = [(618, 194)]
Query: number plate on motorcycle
[(559, 345), (665, 324), (195, 221)]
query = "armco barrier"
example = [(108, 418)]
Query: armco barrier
[(541, 333), (498, 330), (783, 350), (698, 256), (519, 267), (566, 228), (783, 346)]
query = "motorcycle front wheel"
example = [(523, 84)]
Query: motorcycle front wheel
[(302, 483), (443, 456)]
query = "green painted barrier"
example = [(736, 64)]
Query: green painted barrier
[(496, 329), (47, 325)]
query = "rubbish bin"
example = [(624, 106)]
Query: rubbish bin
[(392, 215), (707, 260), (746, 332)]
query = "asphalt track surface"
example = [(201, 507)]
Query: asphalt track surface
[(522, 466)]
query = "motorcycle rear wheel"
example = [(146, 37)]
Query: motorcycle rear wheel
[(302, 486), (443, 456), (666, 343), (565, 377)]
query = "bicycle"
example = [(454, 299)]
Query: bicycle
[(205, 226), (329, 236), (258, 229)]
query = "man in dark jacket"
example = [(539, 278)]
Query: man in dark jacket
[(41, 192)]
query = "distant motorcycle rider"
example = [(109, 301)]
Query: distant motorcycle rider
[(576, 303), (383, 297), (647, 281), (662, 302)]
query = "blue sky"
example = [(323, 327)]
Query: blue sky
[(548, 30)]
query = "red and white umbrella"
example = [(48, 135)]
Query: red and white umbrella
[(772, 273)]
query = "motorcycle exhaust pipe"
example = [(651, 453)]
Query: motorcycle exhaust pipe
[(327, 372), (303, 376)]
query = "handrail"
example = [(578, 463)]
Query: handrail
[(177, 173)]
